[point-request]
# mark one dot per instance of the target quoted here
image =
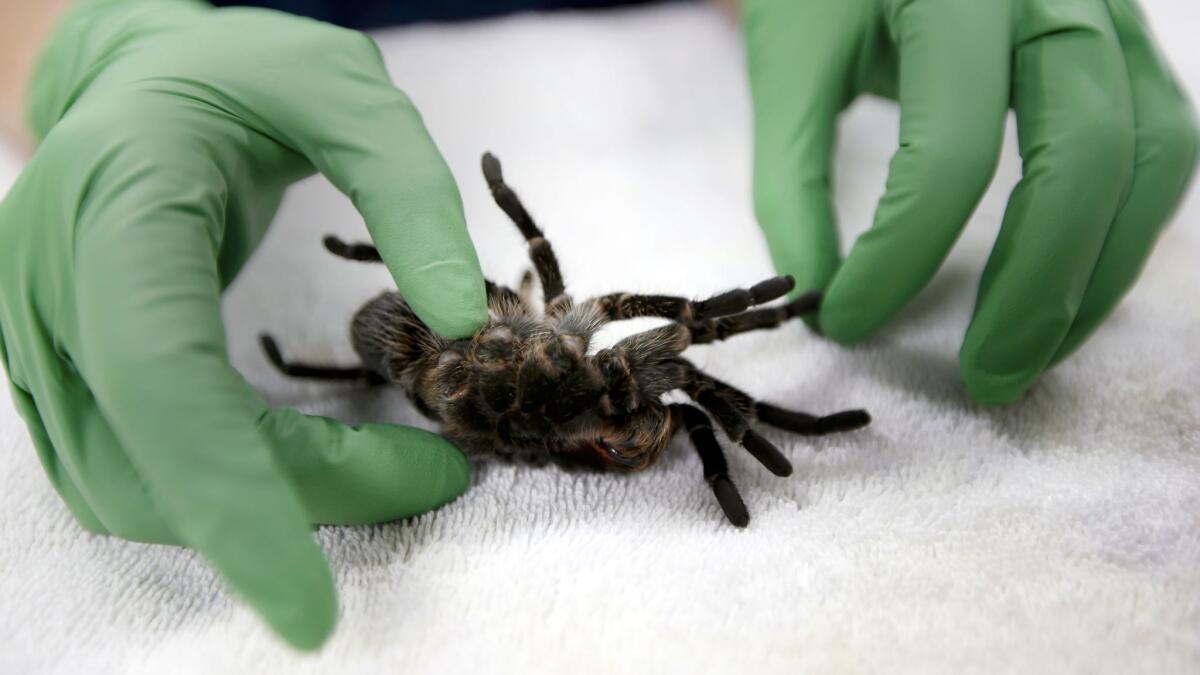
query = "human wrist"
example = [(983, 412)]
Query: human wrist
[(24, 27)]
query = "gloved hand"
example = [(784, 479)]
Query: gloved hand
[(1107, 139), (170, 132)]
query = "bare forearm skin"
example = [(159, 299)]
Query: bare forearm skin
[(24, 27)]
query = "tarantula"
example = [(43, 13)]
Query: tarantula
[(525, 385)]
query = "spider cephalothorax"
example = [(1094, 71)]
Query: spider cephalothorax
[(526, 385)]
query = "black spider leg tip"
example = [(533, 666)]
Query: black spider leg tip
[(805, 304), (491, 169), (716, 469), (811, 425), (271, 349), (767, 454), (358, 252), (737, 427), (730, 500), (740, 299), (541, 254), (507, 199), (718, 398)]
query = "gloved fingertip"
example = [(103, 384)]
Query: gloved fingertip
[(435, 472), (813, 323), (295, 598), (457, 475), (1081, 330), (462, 324), (842, 325), (309, 630), (994, 389), (1000, 362), (448, 296)]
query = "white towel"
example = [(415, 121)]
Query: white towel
[(1060, 534)]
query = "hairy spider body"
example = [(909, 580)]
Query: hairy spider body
[(525, 386)]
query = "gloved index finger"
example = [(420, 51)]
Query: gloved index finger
[(150, 345), (414, 212), (345, 115), (954, 83), (801, 58)]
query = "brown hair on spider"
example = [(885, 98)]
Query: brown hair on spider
[(525, 386)]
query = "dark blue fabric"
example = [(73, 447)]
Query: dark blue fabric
[(364, 14)]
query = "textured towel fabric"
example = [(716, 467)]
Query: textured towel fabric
[(1061, 534)]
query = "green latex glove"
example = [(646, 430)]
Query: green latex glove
[(1106, 136), (169, 133)]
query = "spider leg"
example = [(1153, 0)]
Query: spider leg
[(727, 405), (525, 288), (722, 394), (810, 425), (540, 252), (643, 367), (505, 300), (716, 469), (292, 369), (497, 292), (712, 330), (618, 306), (359, 252)]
